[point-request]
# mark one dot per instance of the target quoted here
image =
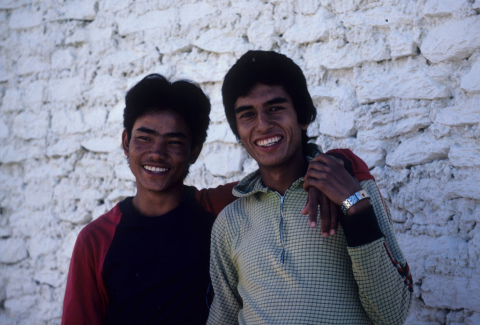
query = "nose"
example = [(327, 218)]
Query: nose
[(264, 123), (158, 150)]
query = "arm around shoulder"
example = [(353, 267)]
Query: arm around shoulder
[(380, 270)]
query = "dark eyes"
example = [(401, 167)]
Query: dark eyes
[(247, 114), (276, 108), (144, 138), (271, 109)]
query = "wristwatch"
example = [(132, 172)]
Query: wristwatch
[(356, 197)]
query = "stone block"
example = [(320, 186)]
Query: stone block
[(12, 100), (103, 144), (68, 122), (95, 117), (452, 292), (95, 168), (123, 171), (80, 36), (211, 70), (312, 28), (471, 81), (117, 58), (100, 34), (115, 6), (331, 56), (337, 123), (13, 250), (452, 40), (401, 44), (31, 125), (4, 132), (31, 64), (79, 10), (50, 277), (262, 34), (38, 195), (175, 45), (386, 16), (395, 128), (223, 160), (4, 233), (465, 185), (62, 59), (63, 147), (458, 116), (473, 319), (195, 13), (115, 115), (221, 41), (307, 7), (407, 81), (21, 19), (161, 19), (34, 94), (20, 306), (17, 151), (439, 8), (12, 4), (63, 90), (220, 132), (372, 153), (42, 245), (464, 156), (408, 153)]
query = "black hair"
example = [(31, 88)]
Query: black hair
[(273, 69), (155, 93)]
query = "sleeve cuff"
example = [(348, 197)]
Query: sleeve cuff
[(361, 228)]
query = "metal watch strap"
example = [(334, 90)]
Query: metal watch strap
[(357, 196)]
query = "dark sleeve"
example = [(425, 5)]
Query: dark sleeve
[(215, 199), (361, 228)]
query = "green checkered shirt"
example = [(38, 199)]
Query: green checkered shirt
[(269, 267)]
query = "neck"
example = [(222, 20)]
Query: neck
[(152, 204), (280, 178)]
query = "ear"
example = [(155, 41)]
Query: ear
[(125, 142), (304, 126), (195, 153)]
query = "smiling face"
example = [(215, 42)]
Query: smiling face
[(268, 127), (159, 151)]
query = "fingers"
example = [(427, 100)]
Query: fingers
[(333, 218), (312, 203), (324, 215)]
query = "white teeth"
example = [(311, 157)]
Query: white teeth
[(268, 142), (155, 169)]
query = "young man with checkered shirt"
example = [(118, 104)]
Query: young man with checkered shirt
[(267, 265)]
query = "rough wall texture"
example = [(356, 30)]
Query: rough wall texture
[(396, 81)]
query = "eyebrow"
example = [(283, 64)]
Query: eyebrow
[(276, 100), (168, 134)]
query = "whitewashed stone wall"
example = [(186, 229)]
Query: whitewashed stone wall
[(396, 81)]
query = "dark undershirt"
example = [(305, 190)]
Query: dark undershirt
[(156, 270)]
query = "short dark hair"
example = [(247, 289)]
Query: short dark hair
[(155, 92), (273, 69)]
